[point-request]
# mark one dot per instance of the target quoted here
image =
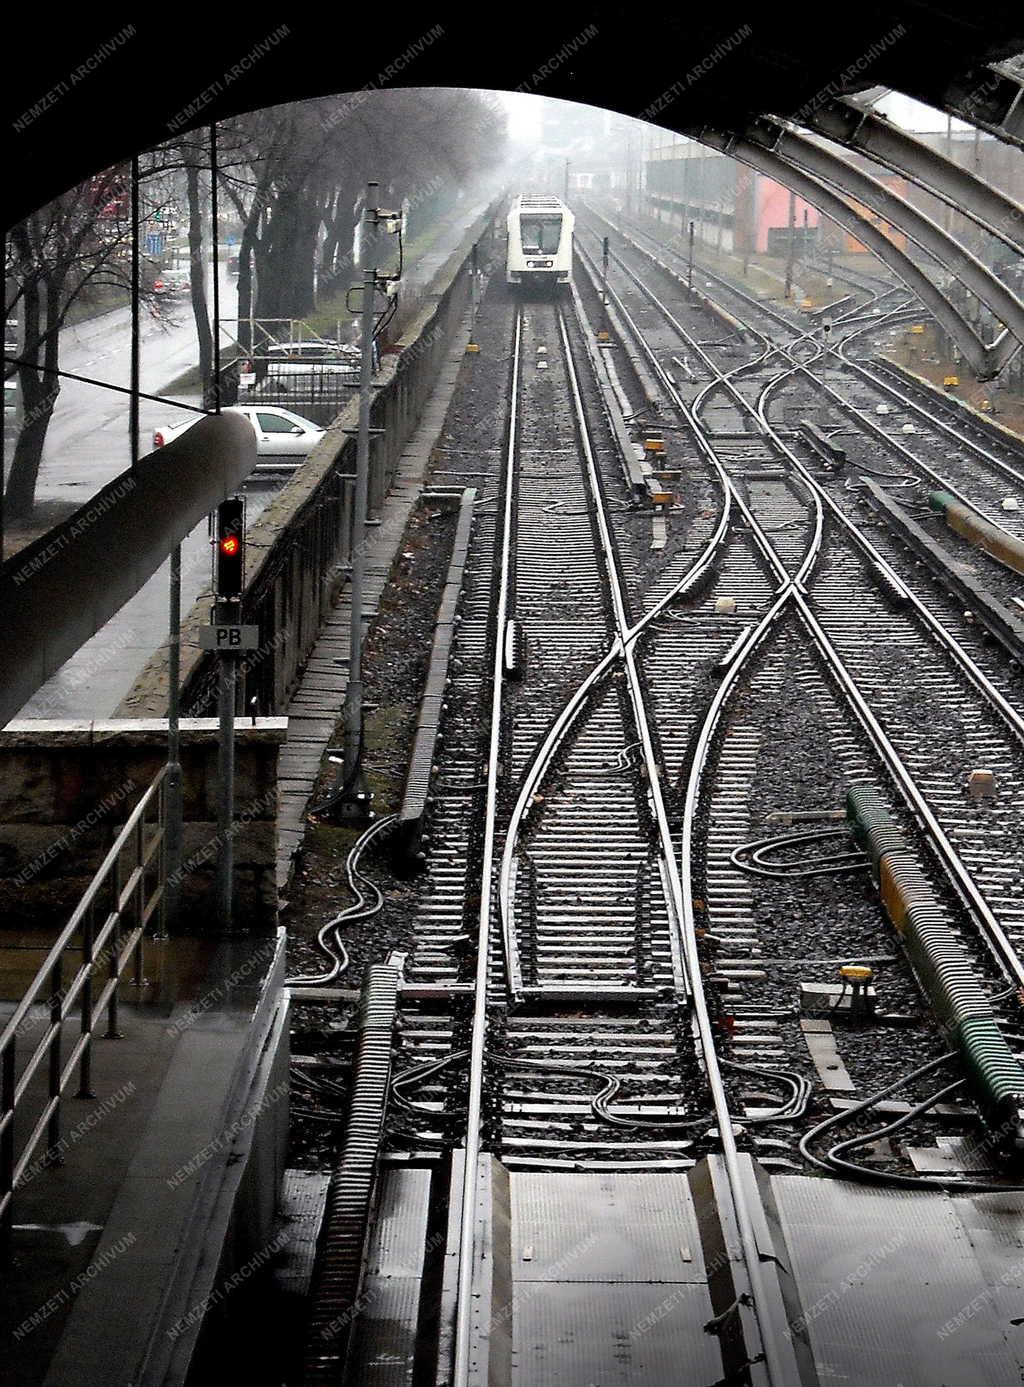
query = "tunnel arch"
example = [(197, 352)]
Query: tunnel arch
[(89, 95)]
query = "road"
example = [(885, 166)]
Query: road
[(86, 447), (87, 441)]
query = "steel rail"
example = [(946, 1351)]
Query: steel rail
[(773, 1369), (566, 718), (470, 1174), (864, 420), (956, 871), (776, 1357), (684, 981), (973, 672), (723, 380), (839, 350)]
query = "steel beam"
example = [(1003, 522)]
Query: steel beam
[(831, 168), (990, 97), (848, 123), (986, 360), (61, 589)]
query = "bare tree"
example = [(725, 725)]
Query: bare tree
[(298, 193), (78, 242)]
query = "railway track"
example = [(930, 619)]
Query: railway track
[(977, 854), (588, 890), (593, 1022), (971, 458), (847, 602)]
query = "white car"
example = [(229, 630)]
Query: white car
[(283, 439)]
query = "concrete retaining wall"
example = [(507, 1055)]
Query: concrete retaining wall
[(299, 548), (66, 789)]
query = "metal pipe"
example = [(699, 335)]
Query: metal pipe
[(226, 672)]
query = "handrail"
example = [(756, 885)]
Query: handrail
[(91, 891), (118, 890)]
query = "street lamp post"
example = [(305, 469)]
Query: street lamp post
[(354, 692)]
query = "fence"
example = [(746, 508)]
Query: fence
[(123, 896)]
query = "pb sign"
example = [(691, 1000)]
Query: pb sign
[(229, 637)]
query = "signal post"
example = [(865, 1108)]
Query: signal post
[(227, 638)]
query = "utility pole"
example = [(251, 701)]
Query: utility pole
[(789, 244), (133, 398), (172, 792), (565, 199), (354, 693), (689, 267), (228, 585), (603, 334)]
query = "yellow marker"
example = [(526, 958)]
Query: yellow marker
[(950, 381), (918, 329), (472, 347), (855, 972)]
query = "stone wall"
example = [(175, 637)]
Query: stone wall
[(66, 789)]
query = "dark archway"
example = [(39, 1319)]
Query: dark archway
[(89, 91)]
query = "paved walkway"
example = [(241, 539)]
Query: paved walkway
[(317, 702), (120, 1239)]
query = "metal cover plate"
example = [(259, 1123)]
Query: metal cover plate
[(397, 1240), (303, 1196), (900, 1288), (384, 1341), (623, 1335), (608, 1226)]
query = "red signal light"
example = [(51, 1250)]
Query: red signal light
[(229, 569)]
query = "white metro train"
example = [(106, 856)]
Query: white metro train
[(539, 242)]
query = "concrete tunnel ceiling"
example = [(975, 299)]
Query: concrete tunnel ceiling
[(91, 92)]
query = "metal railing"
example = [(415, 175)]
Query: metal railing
[(107, 929)]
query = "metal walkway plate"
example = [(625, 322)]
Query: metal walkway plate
[(609, 1283), (914, 1289)]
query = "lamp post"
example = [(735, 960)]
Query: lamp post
[(354, 692)]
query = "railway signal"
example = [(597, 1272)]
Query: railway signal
[(229, 553), (228, 583)]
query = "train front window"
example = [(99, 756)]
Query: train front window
[(541, 235)]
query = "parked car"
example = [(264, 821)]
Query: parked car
[(283, 439), (300, 358), (12, 400), (172, 284)]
